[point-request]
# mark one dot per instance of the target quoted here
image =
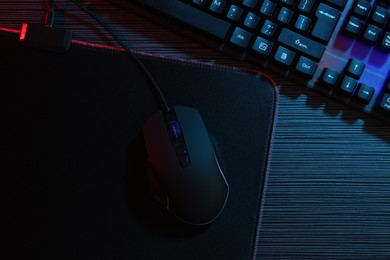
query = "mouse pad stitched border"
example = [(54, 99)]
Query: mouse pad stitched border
[(73, 156)]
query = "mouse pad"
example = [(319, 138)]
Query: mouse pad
[(73, 158)]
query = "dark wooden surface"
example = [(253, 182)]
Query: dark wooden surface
[(328, 194)]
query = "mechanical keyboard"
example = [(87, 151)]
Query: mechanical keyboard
[(339, 48)]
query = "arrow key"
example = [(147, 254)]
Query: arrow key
[(355, 68), (365, 93)]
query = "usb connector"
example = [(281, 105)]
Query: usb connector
[(45, 37)]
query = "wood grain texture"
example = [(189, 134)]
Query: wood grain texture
[(328, 194)]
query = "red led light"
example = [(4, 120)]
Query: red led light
[(4, 29), (97, 45), (23, 32)]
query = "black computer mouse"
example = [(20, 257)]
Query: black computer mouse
[(183, 170)]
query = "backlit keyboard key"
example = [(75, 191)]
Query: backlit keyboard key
[(348, 85), (355, 68), (288, 2), (240, 37), (267, 8), (372, 33), (385, 44), (285, 15), (250, 3), (330, 77), (354, 25), (365, 92), (327, 20), (385, 103), (217, 6), (306, 5), (301, 43), (251, 20), (284, 56), (234, 13), (380, 15), (306, 66), (302, 23), (268, 28), (199, 2), (338, 3), (362, 8), (262, 46)]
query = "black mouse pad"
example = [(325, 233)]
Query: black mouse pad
[(73, 158)]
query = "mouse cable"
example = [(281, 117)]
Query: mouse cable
[(137, 61), (49, 15)]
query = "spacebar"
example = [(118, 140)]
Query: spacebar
[(191, 16)]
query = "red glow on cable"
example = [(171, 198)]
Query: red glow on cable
[(4, 29), (23, 32), (97, 45)]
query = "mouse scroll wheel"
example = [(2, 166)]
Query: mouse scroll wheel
[(178, 143), (174, 131)]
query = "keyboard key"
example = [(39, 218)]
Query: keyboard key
[(240, 37), (372, 33), (355, 68), (380, 15), (348, 85), (365, 93), (306, 5), (327, 20), (267, 8), (288, 2), (284, 56), (199, 19), (340, 4), (306, 66), (250, 3), (234, 13), (385, 102), (251, 20), (217, 6), (362, 8), (330, 77), (301, 43), (262, 46), (385, 44), (302, 23), (354, 25), (285, 15), (199, 2), (268, 28), (387, 86)]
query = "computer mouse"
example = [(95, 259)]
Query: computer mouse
[(182, 167)]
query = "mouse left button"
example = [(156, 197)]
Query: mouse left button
[(156, 187)]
